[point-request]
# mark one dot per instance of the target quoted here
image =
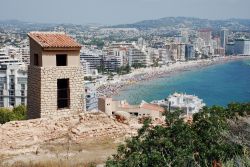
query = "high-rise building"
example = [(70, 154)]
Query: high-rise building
[(242, 47), (223, 37), (139, 57), (230, 48), (13, 85), (216, 42), (181, 52), (25, 52), (119, 50), (94, 60), (173, 51), (206, 35), (8, 57), (219, 52), (189, 52), (55, 76), (91, 96), (85, 67), (164, 56)]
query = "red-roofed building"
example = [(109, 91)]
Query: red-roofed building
[(110, 106), (55, 76), (153, 107), (50, 40)]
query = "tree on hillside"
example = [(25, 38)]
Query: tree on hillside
[(203, 143)]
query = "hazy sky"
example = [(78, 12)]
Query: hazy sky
[(119, 11)]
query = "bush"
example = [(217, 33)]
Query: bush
[(204, 142), (17, 113), (5, 115)]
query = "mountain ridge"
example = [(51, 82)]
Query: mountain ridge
[(189, 22), (165, 22)]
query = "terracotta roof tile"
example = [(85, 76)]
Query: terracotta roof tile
[(54, 40), (154, 107)]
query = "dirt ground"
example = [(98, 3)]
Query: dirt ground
[(88, 152), (83, 138)]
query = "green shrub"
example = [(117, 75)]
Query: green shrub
[(5, 115), (17, 113), (204, 142)]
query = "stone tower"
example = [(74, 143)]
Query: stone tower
[(55, 77)]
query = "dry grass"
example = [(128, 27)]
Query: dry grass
[(54, 146), (61, 163), (65, 154)]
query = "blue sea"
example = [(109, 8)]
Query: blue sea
[(217, 85)]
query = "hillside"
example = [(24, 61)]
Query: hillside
[(84, 137), (188, 22)]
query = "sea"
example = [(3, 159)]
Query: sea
[(218, 84)]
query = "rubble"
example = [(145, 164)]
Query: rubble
[(26, 136)]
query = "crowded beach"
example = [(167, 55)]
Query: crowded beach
[(144, 74)]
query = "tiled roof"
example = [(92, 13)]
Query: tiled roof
[(154, 107), (54, 40)]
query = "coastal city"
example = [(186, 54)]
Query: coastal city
[(172, 91), (113, 58)]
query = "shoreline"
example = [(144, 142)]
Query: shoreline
[(145, 74)]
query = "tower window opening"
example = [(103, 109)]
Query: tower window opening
[(61, 60), (36, 63), (63, 93)]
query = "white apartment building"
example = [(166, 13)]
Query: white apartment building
[(189, 104), (93, 58), (122, 54), (13, 85), (85, 67), (121, 51), (10, 56), (164, 56), (199, 43), (111, 62), (25, 52), (90, 96), (139, 56)]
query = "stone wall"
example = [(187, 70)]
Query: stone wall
[(26, 136), (101, 104), (43, 103), (34, 92), (35, 49)]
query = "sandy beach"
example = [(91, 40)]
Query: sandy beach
[(139, 75)]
